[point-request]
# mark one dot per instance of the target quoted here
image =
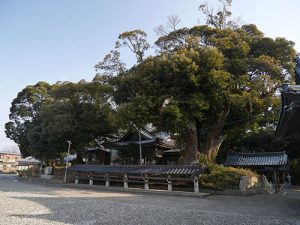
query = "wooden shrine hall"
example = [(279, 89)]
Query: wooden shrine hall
[(148, 147)]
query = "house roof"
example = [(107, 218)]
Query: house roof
[(28, 161), (147, 138), (257, 159), (10, 153), (144, 169), (132, 137)]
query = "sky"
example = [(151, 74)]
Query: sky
[(62, 40)]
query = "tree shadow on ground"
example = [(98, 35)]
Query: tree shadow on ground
[(136, 210)]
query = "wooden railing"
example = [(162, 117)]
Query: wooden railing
[(148, 176), (145, 180)]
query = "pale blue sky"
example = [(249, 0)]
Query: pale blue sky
[(62, 40)]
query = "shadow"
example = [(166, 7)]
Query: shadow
[(41, 204), (109, 210)]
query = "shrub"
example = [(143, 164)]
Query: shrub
[(31, 172), (221, 177), (295, 171)]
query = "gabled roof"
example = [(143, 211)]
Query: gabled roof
[(257, 159), (29, 161), (132, 137)]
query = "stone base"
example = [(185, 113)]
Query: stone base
[(254, 185)]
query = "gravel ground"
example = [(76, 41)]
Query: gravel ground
[(23, 203)]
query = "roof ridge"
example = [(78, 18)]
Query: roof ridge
[(257, 153)]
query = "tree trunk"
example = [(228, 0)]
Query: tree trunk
[(212, 136), (191, 151), (79, 158), (210, 146)]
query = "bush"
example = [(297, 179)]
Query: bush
[(295, 171), (31, 172), (221, 177)]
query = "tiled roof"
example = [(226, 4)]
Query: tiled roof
[(132, 137), (147, 138), (257, 159), (136, 169), (28, 161), (10, 153)]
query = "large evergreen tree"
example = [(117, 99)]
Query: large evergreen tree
[(206, 83), (43, 117)]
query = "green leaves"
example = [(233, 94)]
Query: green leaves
[(44, 116), (204, 83), (210, 76), (136, 41), (192, 80)]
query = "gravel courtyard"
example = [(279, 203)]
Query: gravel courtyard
[(23, 203)]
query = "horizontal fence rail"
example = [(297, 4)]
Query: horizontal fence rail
[(147, 176)]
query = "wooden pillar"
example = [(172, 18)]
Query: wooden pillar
[(289, 178), (196, 184), (125, 181), (91, 181), (275, 178), (146, 182), (284, 177), (107, 180), (169, 183)]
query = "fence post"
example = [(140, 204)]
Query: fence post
[(107, 180), (146, 180), (76, 180), (91, 181), (169, 183), (196, 184), (125, 181)]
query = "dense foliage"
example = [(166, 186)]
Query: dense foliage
[(295, 170), (220, 177), (43, 117), (204, 85), (207, 83), (224, 177)]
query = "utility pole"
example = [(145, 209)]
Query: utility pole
[(68, 154), (140, 145)]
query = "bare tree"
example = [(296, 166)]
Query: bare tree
[(170, 26), (220, 18)]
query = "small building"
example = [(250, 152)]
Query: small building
[(152, 148), (9, 162), (28, 163), (156, 148), (272, 164)]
